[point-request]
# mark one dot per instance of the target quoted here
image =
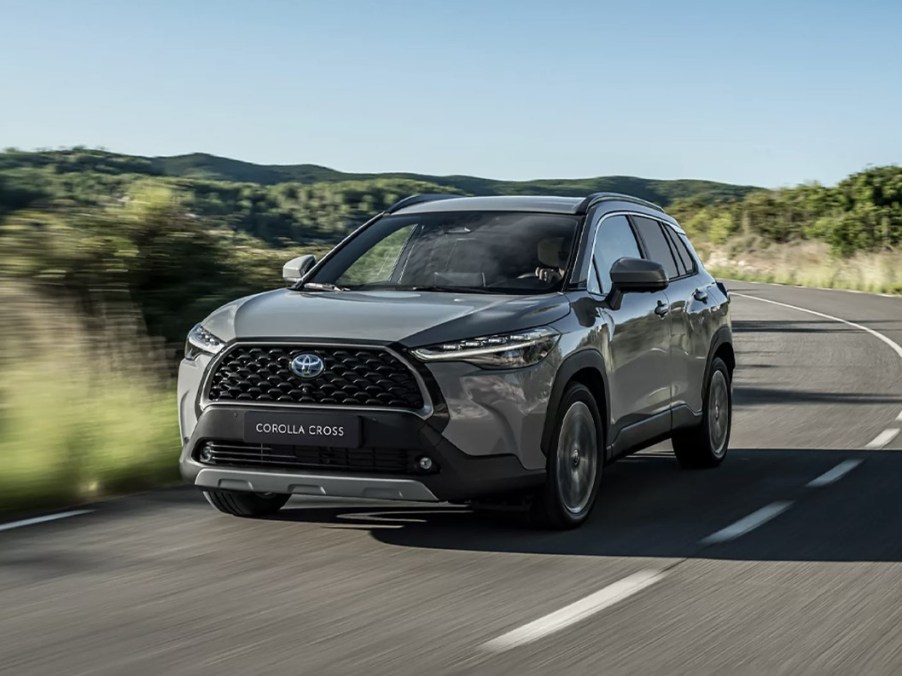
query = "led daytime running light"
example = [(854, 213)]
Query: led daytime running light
[(201, 340), (490, 345)]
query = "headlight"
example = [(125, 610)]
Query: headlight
[(500, 351), (201, 341)]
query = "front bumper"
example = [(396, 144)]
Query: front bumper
[(307, 483), (456, 476)]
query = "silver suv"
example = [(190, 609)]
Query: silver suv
[(463, 349)]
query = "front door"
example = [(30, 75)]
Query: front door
[(638, 345)]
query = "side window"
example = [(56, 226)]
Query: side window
[(684, 258), (656, 244), (614, 240), (669, 235)]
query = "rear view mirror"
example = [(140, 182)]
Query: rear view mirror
[(295, 269)]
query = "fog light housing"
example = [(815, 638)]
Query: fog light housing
[(206, 455), (424, 462)]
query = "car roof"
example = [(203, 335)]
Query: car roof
[(545, 204), (549, 204)]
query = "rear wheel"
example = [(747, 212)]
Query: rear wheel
[(706, 444), (574, 464), (239, 503)]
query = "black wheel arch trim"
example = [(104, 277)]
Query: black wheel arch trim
[(723, 336), (688, 417), (587, 358)]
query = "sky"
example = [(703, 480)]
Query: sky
[(761, 92)]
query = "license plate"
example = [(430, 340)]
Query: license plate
[(302, 429)]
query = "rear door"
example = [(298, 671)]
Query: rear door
[(691, 307)]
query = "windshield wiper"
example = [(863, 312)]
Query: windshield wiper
[(425, 287), (450, 289), (323, 286), (375, 286)]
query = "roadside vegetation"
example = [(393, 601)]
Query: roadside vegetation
[(806, 263), (86, 405), (107, 260), (847, 237)]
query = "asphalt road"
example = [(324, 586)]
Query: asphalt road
[(162, 584)]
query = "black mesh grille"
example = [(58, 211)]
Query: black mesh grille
[(367, 460), (352, 377)]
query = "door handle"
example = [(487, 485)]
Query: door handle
[(700, 295), (662, 308)]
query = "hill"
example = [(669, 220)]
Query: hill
[(202, 166)]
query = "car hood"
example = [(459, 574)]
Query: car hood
[(410, 318)]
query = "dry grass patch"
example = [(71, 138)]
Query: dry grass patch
[(86, 408), (806, 264)]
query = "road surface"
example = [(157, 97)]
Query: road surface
[(786, 560)]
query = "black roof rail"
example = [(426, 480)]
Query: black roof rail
[(597, 197), (418, 199)]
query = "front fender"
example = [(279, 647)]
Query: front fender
[(588, 367)]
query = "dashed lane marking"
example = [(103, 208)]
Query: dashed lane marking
[(883, 439), (747, 523), (575, 612), (43, 519), (835, 474)]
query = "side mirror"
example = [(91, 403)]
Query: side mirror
[(295, 269), (635, 275)]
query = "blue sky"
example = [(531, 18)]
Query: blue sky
[(761, 92)]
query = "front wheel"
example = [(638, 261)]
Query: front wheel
[(238, 503), (706, 444), (574, 464)]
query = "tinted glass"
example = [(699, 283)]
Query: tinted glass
[(668, 235), (615, 240), (378, 263), (656, 244), (466, 251), (687, 265)]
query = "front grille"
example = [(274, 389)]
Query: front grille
[(366, 460), (352, 377)]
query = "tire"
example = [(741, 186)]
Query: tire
[(706, 444), (574, 464), (238, 503)]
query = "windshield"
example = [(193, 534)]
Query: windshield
[(475, 252)]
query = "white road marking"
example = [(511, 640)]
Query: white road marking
[(575, 612), (747, 523), (879, 336), (834, 474), (887, 435), (883, 438), (824, 288), (43, 519)]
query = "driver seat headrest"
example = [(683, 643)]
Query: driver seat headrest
[(553, 252)]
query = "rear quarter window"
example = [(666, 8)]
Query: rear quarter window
[(656, 245), (684, 259)]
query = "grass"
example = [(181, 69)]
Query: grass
[(84, 410), (805, 264)]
